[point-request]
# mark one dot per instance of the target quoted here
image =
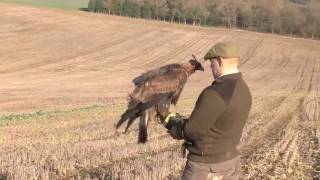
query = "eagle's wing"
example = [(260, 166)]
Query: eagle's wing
[(171, 82), (176, 96), (154, 73)]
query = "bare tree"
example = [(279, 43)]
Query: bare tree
[(292, 18), (312, 25), (229, 11)]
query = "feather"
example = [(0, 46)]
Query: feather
[(155, 73), (130, 121), (135, 112), (128, 114)]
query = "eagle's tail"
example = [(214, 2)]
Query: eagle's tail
[(133, 113), (130, 113)]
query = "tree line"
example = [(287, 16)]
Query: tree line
[(293, 17)]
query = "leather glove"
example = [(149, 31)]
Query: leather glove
[(174, 122), (171, 120)]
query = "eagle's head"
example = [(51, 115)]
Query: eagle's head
[(196, 64)]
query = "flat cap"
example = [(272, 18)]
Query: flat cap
[(224, 50)]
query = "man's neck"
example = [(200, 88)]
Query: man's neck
[(229, 72)]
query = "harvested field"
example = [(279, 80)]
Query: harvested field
[(65, 76)]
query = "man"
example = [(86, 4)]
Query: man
[(213, 131)]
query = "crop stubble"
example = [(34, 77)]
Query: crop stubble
[(53, 59)]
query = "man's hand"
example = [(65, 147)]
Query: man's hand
[(169, 119), (174, 122), (174, 133)]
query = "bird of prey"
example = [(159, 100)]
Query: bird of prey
[(154, 91)]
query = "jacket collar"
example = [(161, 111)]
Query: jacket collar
[(220, 79)]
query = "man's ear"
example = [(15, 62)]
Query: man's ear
[(220, 61)]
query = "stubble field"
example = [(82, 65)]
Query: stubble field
[(65, 77)]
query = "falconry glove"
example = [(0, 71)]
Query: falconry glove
[(174, 122), (171, 120)]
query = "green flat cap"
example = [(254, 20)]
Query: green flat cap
[(224, 50)]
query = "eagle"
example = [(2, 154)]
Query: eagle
[(154, 92)]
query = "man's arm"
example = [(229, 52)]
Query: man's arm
[(208, 109)]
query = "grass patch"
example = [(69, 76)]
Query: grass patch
[(14, 117), (60, 4)]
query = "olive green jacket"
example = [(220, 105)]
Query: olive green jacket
[(215, 126)]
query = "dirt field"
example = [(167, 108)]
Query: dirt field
[(65, 76)]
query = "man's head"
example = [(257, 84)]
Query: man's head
[(224, 58)]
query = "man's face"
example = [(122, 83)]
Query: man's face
[(216, 68)]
